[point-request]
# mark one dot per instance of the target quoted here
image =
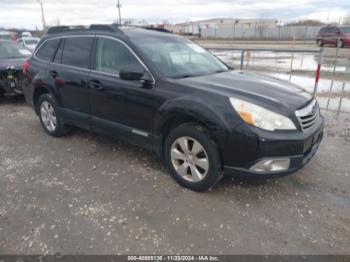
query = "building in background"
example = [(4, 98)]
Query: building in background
[(193, 27)]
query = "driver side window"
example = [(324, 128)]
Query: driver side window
[(112, 56)]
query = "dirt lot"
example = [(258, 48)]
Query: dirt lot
[(90, 194)]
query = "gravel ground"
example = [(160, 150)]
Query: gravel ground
[(89, 194)]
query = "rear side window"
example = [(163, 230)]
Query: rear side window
[(48, 49), (112, 56), (76, 51)]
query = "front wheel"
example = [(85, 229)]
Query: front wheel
[(319, 43), (192, 157), (49, 118)]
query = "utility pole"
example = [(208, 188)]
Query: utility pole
[(42, 13), (118, 7)]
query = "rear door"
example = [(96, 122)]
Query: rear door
[(118, 106), (70, 70)]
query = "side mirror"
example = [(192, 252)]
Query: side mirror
[(132, 73)]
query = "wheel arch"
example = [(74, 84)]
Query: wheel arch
[(39, 91), (177, 113)]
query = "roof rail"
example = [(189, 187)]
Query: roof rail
[(101, 27)]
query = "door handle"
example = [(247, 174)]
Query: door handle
[(95, 84), (54, 74)]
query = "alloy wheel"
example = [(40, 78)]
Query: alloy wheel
[(189, 159), (48, 116)]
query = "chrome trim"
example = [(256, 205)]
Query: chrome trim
[(308, 116), (306, 110), (139, 132)]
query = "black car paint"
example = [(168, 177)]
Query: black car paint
[(141, 115)]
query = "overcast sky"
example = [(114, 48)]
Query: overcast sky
[(26, 13)]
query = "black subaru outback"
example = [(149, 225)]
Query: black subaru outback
[(163, 92)]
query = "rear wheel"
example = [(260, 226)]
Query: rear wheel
[(49, 117), (192, 157)]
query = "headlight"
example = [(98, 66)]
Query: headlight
[(261, 117)]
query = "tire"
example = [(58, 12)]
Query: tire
[(51, 121), (200, 168), (319, 43)]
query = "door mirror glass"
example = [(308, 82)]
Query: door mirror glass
[(134, 72)]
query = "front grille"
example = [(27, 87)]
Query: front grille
[(308, 116)]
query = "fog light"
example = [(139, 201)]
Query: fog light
[(271, 165)]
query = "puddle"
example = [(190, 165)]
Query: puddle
[(325, 97), (282, 61)]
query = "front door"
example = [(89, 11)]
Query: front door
[(119, 107)]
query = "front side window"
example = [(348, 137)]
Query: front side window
[(48, 49), (112, 56), (76, 51), (177, 57)]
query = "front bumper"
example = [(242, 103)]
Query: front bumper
[(11, 87), (11, 82), (299, 149)]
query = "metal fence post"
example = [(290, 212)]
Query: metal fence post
[(242, 59), (318, 71), (341, 99), (333, 73), (291, 67)]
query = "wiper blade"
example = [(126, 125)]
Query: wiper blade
[(185, 76)]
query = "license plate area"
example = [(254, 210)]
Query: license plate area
[(311, 141)]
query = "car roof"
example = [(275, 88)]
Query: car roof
[(113, 30)]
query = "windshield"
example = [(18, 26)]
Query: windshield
[(177, 57), (12, 50), (30, 41)]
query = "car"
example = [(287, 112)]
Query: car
[(334, 36), (26, 34), (12, 57), (29, 42), (4, 35), (163, 92)]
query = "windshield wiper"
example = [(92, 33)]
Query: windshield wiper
[(185, 76)]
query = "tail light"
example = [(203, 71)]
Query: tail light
[(25, 66)]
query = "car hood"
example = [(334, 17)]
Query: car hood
[(16, 62), (260, 89)]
